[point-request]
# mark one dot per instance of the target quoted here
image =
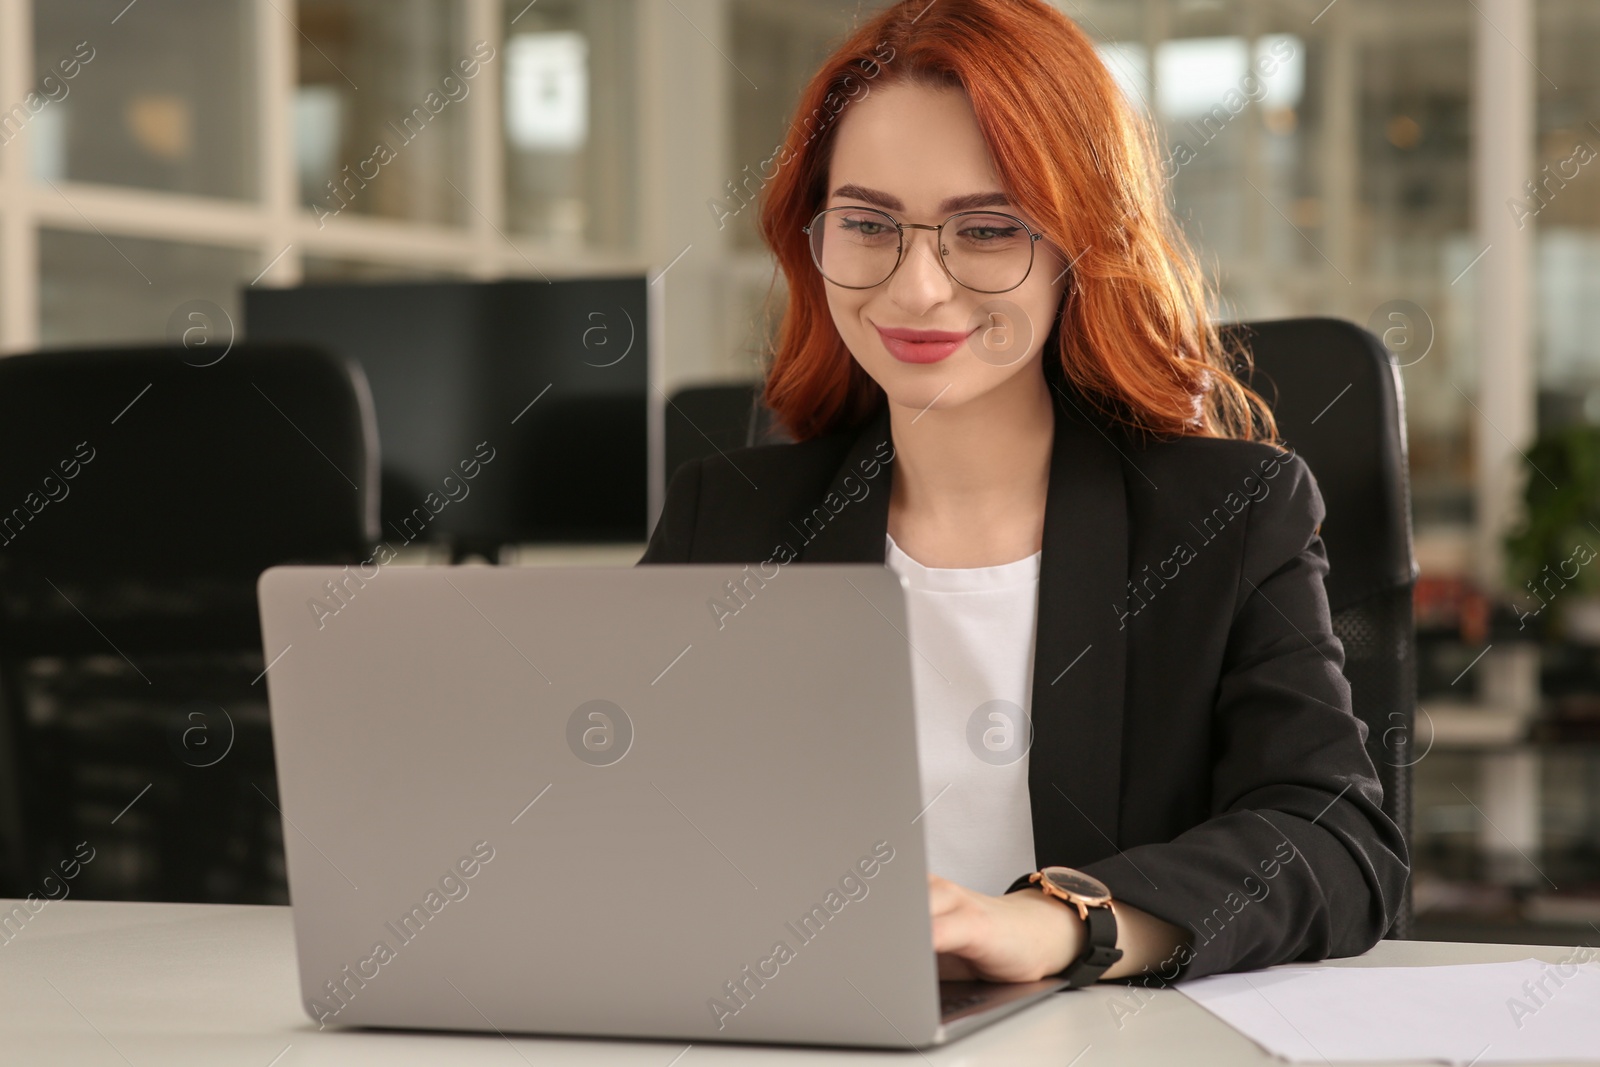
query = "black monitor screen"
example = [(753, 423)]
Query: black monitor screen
[(509, 411)]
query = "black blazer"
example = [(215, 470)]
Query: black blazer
[(1194, 746)]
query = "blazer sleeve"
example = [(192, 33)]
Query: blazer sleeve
[(673, 536), (1297, 860)]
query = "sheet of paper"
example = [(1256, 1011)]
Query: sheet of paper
[(1477, 1013)]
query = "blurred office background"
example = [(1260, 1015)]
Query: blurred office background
[(1380, 173)]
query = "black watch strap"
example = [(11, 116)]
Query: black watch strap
[(1100, 949)]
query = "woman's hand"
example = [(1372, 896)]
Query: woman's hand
[(1024, 936), (1019, 937)]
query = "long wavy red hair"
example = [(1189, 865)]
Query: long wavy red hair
[(1135, 335)]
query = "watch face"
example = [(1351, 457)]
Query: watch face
[(1091, 890)]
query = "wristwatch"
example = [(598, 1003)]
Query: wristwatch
[(1093, 901)]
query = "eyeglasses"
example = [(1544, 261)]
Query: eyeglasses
[(860, 247)]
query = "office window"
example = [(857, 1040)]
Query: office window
[(1412, 236), (786, 43), (482, 170), (380, 124), (161, 98), (1564, 206), (569, 118), (96, 289), (1321, 168)]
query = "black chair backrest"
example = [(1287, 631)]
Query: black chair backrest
[(701, 419), (1340, 405), (142, 492), (149, 462)]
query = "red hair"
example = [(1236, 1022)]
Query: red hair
[(1134, 334)]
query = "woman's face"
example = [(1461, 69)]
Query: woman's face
[(916, 153)]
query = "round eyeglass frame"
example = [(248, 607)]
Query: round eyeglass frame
[(900, 255)]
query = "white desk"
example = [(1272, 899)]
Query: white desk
[(89, 982)]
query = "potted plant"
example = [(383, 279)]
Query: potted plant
[(1551, 558)]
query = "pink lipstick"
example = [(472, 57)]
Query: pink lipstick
[(920, 346)]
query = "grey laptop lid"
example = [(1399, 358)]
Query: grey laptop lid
[(672, 802)]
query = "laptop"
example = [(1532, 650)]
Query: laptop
[(675, 802)]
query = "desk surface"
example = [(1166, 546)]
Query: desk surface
[(90, 982)]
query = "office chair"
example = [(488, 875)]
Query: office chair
[(142, 492), (704, 418), (1340, 404)]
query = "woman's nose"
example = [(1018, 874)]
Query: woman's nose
[(921, 281)]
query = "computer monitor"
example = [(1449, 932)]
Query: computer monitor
[(508, 411)]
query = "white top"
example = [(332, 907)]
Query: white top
[(971, 633)]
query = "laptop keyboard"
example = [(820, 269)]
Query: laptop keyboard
[(954, 1001)]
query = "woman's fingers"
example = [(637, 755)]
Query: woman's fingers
[(945, 896), (959, 920), (955, 969), (1001, 939)]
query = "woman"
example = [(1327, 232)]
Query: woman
[(997, 364)]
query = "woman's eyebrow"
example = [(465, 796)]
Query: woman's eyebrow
[(965, 202)]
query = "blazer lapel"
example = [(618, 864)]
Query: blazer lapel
[(1080, 653)]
